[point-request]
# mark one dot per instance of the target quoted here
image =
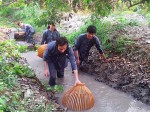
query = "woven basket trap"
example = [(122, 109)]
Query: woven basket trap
[(78, 98), (41, 50)]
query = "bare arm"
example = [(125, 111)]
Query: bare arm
[(76, 53), (73, 65), (97, 42), (46, 72), (76, 76), (44, 36), (77, 45), (104, 57), (20, 33), (46, 58)]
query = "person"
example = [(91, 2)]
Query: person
[(83, 44), (28, 32), (51, 34), (55, 58)]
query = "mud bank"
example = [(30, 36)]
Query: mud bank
[(128, 72)]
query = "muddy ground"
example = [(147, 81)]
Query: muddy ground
[(34, 94), (128, 71)]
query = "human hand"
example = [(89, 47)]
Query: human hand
[(77, 82), (107, 60), (46, 72), (78, 62)]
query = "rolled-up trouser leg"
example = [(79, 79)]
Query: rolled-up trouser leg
[(52, 71)]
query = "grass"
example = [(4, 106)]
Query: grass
[(6, 22), (11, 95)]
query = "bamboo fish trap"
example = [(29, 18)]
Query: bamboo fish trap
[(41, 50), (78, 98)]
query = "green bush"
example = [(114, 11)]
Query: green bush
[(147, 16), (6, 22), (149, 23), (122, 22), (28, 14), (6, 11), (72, 36), (11, 95), (103, 30), (133, 22), (121, 42)]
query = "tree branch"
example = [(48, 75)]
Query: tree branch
[(131, 5), (4, 4)]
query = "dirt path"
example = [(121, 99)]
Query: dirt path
[(106, 99)]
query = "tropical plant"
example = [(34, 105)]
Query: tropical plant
[(52, 10), (11, 95)]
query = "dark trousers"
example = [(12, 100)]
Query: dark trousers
[(29, 38), (53, 72)]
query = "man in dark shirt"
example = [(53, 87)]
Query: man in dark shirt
[(51, 34), (55, 59), (84, 43), (28, 31)]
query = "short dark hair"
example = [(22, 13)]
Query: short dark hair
[(52, 23), (91, 29), (18, 23), (48, 26), (61, 41)]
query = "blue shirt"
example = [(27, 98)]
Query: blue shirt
[(28, 28), (59, 59), (49, 36), (83, 45)]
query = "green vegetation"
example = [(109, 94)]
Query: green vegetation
[(56, 88), (120, 43), (104, 28), (9, 71), (148, 18), (6, 22), (10, 90), (22, 48), (39, 13)]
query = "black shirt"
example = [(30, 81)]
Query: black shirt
[(83, 45)]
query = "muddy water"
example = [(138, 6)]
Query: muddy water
[(106, 98)]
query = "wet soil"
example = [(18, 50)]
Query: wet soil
[(33, 92), (106, 98), (128, 71), (34, 95)]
